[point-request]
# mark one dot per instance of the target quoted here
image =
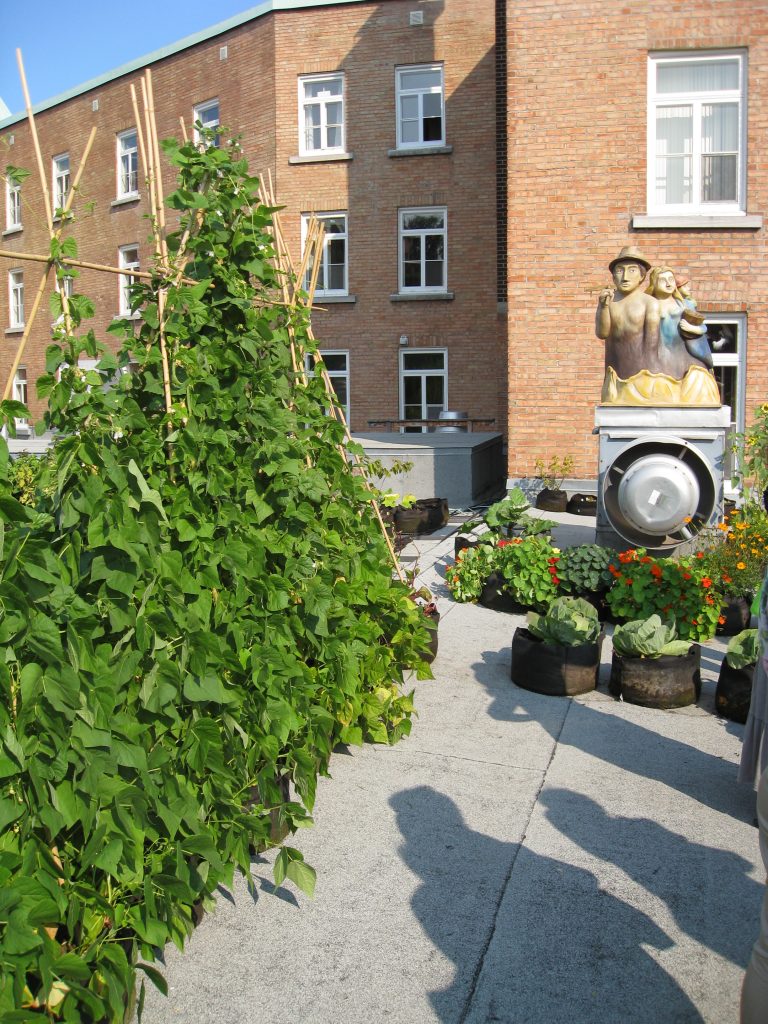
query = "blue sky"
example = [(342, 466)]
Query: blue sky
[(65, 44)]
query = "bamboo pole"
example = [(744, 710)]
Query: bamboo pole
[(31, 257), (36, 143)]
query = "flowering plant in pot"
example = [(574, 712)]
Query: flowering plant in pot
[(734, 682), (552, 497), (735, 555), (652, 666), (467, 577), (503, 519), (559, 651), (527, 570), (677, 589)]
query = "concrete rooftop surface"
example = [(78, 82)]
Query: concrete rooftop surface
[(518, 859)]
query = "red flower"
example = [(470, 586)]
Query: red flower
[(706, 582), (646, 559), (629, 582), (656, 571), (699, 554), (555, 579), (551, 561), (686, 575), (502, 543)]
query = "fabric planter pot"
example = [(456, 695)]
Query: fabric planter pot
[(734, 692), (665, 682), (737, 614), (493, 596), (551, 500), (432, 654), (424, 516), (582, 505), (461, 542), (553, 669)]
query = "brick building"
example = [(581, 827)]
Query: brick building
[(477, 165)]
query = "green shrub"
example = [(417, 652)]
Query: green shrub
[(584, 571)]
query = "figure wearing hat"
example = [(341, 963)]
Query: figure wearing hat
[(641, 368)]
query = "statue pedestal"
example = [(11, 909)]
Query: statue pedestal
[(660, 478)]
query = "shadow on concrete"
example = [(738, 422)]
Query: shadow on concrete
[(617, 741), (708, 891), (529, 935)]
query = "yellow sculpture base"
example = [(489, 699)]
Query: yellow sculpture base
[(698, 387)]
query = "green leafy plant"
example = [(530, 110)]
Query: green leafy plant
[(510, 515), (583, 570), (735, 553), (528, 570), (677, 589), (197, 610), (743, 649), (752, 448), (569, 621), (553, 472), (648, 638), (467, 577)]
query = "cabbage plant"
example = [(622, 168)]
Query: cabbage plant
[(648, 638), (569, 621)]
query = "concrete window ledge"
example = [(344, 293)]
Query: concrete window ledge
[(420, 151), (747, 222), (14, 330), (134, 197), (13, 231), (422, 297), (321, 158), (333, 300)]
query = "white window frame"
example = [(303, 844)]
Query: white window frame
[(334, 374), (737, 360), (322, 101), (403, 92), (327, 238), (403, 233), (127, 279), (12, 205), (16, 299), (201, 112), (697, 100), (61, 181), (21, 394), (422, 373), (127, 164)]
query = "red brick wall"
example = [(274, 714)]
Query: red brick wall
[(577, 118), (257, 91)]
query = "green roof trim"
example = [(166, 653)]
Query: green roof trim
[(266, 7)]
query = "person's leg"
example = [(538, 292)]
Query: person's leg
[(754, 994)]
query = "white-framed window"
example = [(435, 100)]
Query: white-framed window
[(697, 133), (21, 394), (423, 264), (420, 106), (336, 363), (128, 260), (727, 335), (423, 386), (61, 181), (333, 275), (207, 114), (12, 205), (321, 114), (127, 164), (16, 297)]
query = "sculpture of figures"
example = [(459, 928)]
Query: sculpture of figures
[(655, 340)]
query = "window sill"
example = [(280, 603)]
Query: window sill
[(132, 197), (13, 231), (128, 316), (332, 300), (422, 297), (744, 222), (14, 330), (321, 158), (420, 151)]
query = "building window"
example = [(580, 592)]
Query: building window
[(128, 260), (321, 114), (16, 295), (12, 205), (206, 116), (423, 386), (727, 339), (697, 134), (60, 182), (337, 367), (127, 164), (332, 275), (420, 106), (423, 264), (20, 394)]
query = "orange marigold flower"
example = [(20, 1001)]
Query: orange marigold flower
[(741, 526), (687, 519), (726, 578), (741, 565), (723, 526)]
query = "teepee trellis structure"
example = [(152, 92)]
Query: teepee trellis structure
[(171, 271)]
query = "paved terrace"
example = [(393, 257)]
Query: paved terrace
[(519, 858)]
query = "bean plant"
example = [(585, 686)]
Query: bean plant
[(196, 611)]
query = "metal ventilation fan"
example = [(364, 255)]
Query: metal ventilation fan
[(659, 492)]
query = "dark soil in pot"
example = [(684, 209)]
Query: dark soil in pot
[(553, 669)]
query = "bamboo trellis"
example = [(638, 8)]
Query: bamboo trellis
[(171, 271)]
